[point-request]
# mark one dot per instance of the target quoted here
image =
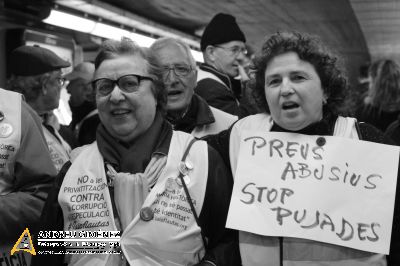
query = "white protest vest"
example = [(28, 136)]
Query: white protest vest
[(59, 152), (10, 137), (223, 121), (258, 250), (10, 140), (172, 237), (201, 74)]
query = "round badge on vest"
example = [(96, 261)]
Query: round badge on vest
[(5, 130), (146, 214), (170, 185), (321, 141), (189, 165)]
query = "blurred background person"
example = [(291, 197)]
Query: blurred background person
[(224, 52), (186, 111), (142, 161), (82, 103), (393, 131), (26, 171), (358, 93), (382, 104), (36, 74)]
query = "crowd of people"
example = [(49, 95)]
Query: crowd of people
[(158, 145)]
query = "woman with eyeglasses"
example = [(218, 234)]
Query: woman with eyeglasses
[(166, 193), (36, 73)]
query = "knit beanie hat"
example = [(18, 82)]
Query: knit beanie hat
[(221, 29)]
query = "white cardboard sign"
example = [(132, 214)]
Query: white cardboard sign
[(340, 193)]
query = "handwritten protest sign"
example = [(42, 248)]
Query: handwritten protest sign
[(340, 193)]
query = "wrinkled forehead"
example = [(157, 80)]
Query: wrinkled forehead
[(287, 62), (174, 53), (113, 68)]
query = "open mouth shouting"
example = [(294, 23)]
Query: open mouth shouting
[(290, 105)]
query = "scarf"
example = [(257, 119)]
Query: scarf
[(138, 165), (134, 157), (187, 122)]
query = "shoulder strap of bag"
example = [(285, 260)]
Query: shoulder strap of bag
[(196, 217), (358, 131)]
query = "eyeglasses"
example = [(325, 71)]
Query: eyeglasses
[(57, 81), (181, 70), (235, 50), (61, 81), (126, 83)]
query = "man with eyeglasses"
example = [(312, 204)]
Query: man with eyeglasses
[(186, 111), (36, 74), (224, 53)]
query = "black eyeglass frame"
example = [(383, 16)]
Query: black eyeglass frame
[(116, 82), (242, 50), (167, 69)]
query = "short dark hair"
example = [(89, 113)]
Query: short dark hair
[(112, 49), (310, 49)]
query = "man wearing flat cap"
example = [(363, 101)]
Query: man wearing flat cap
[(224, 52), (82, 103), (36, 73)]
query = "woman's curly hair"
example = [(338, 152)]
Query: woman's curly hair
[(111, 49), (309, 49)]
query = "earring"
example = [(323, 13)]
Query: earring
[(324, 101)]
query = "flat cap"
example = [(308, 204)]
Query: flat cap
[(34, 60)]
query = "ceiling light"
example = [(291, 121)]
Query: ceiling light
[(69, 21)]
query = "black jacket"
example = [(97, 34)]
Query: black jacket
[(228, 98)]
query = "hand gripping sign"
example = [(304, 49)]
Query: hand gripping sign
[(329, 189)]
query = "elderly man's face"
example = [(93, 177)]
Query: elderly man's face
[(51, 98), (228, 56), (179, 77)]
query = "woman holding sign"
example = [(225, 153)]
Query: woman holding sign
[(301, 89), (165, 192)]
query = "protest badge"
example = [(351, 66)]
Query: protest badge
[(329, 189)]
